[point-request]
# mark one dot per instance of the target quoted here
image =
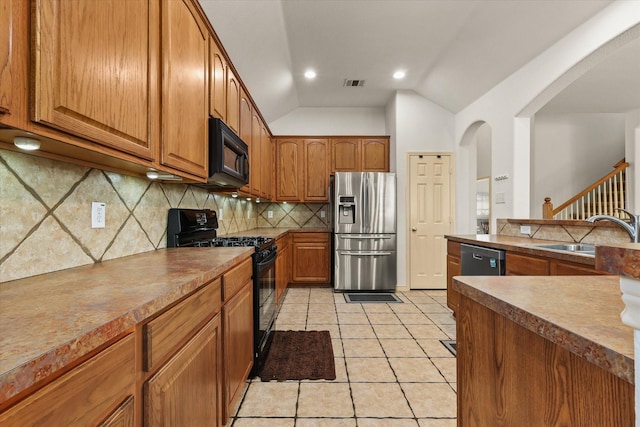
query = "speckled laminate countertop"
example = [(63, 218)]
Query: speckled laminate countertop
[(48, 322), (522, 245), (578, 313)]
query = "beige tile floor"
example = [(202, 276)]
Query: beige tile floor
[(391, 368)]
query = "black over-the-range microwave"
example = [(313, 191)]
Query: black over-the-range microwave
[(228, 157)]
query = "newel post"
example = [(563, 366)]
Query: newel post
[(547, 208)]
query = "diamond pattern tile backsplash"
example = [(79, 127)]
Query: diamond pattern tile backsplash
[(45, 214)]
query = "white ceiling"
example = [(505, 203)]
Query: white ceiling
[(453, 51)]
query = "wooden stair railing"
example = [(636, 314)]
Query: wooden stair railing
[(602, 197)]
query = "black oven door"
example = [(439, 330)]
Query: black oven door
[(264, 306)]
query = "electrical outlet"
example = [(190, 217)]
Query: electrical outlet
[(525, 229), (98, 214), (220, 214), (269, 214), (500, 198), (322, 214)]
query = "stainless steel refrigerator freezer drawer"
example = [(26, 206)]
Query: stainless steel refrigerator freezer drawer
[(365, 242), (365, 270)]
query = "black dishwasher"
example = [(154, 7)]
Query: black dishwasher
[(479, 261)]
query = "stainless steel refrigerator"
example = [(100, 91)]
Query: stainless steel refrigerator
[(364, 226)]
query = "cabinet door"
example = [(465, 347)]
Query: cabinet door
[(124, 416), (375, 155), (185, 105), (266, 153), (311, 258), (6, 17), (233, 101), (563, 268), (217, 82), (283, 267), (82, 395), (523, 265), (95, 71), (316, 171), (238, 345), (289, 169), (245, 133), (186, 390), (345, 155), (256, 156)]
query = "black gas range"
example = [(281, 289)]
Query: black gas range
[(198, 228)]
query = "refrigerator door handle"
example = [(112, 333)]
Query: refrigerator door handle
[(371, 237), (351, 253)]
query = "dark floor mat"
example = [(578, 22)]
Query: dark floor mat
[(450, 345), (299, 355), (371, 297)]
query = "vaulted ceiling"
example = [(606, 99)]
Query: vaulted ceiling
[(452, 51)]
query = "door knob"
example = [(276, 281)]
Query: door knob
[(414, 229)]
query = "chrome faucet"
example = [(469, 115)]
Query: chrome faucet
[(630, 227)]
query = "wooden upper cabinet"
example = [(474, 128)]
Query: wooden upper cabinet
[(345, 155), (289, 166), (233, 101), (316, 170), (6, 87), (95, 71), (255, 173), (375, 155), (217, 82), (266, 154), (246, 134), (359, 155), (185, 103)]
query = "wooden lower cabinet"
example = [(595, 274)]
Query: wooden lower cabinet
[(186, 390), (123, 416), (510, 376), (525, 265), (311, 262), (283, 266), (87, 395), (237, 317)]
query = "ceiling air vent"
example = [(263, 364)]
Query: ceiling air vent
[(353, 83)]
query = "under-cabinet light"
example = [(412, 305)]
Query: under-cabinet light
[(26, 143)]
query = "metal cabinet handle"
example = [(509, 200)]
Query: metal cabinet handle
[(366, 253), (414, 229), (364, 237)]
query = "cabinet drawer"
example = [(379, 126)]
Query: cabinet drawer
[(164, 333), (453, 248), (236, 278), (82, 395), (521, 265), (311, 237)]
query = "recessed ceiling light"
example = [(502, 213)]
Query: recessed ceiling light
[(399, 75), (310, 74)]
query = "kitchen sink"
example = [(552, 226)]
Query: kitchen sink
[(579, 248)]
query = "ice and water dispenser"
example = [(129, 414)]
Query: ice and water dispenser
[(346, 210)]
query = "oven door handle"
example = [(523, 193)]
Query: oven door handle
[(268, 260)]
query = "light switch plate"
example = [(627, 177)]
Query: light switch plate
[(525, 229), (98, 214)]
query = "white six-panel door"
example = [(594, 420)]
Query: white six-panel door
[(430, 191)]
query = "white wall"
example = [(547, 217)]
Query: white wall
[(331, 121), (632, 151), (420, 126), (502, 108), (571, 152)]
